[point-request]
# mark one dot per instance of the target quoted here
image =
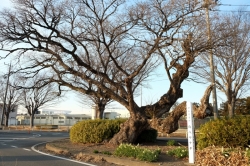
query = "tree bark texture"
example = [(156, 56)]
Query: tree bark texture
[(100, 108), (231, 107), (31, 120), (6, 120), (170, 123), (130, 130)]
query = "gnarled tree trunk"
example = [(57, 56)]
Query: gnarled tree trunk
[(170, 123), (138, 120), (131, 129), (200, 112)]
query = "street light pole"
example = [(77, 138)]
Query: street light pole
[(212, 75)]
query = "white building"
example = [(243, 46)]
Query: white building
[(112, 114), (62, 119), (12, 116), (53, 111)]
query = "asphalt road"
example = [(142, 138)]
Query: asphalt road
[(17, 148)]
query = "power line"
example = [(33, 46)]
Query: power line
[(231, 5), (216, 10)]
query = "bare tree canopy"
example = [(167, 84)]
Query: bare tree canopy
[(97, 103), (232, 58), (13, 96), (35, 95), (109, 45)]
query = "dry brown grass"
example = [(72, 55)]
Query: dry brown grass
[(213, 156)]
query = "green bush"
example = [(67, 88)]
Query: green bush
[(127, 150), (247, 152), (96, 151), (148, 155), (94, 131), (171, 142), (225, 132), (179, 152), (143, 154), (147, 136)]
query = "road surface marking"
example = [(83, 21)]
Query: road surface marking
[(62, 158), (5, 140), (14, 146), (26, 149)]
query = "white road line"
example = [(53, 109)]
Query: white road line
[(14, 146), (37, 135), (33, 148), (11, 139), (19, 138), (26, 149), (6, 140)]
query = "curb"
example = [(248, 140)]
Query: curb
[(55, 149), (115, 160)]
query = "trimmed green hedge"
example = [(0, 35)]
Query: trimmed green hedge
[(225, 132), (94, 131)]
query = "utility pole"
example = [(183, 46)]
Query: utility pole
[(212, 75), (141, 95), (5, 95)]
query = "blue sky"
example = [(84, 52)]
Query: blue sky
[(192, 91)]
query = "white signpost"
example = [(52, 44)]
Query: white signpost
[(191, 134)]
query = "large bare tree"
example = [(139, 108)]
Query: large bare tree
[(36, 94), (109, 44), (94, 102), (232, 58), (13, 96)]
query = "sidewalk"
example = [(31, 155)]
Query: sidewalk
[(26, 127)]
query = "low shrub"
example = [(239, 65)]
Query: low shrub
[(96, 151), (94, 131), (126, 150), (179, 152), (247, 153), (148, 155), (107, 153), (143, 154), (233, 132), (147, 136), (171, 143)]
